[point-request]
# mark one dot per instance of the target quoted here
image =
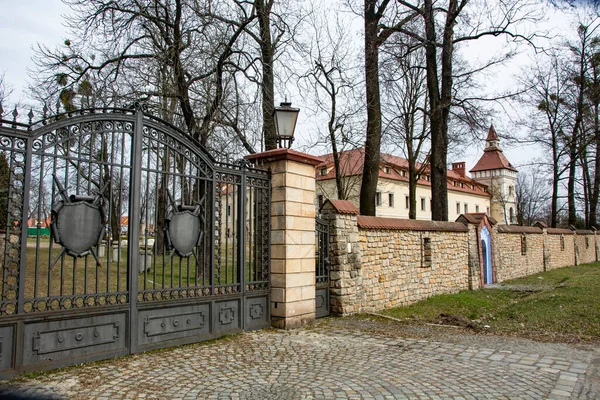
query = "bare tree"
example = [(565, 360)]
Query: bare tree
[(331, 83), (531, 195), (406, 107), (445, 26)]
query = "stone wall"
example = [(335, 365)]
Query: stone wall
[(378, 263), (518, 251), (585, 246), (560, 248), (396, 270)]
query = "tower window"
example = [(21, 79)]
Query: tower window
[(422, 203), (466, 208), (391, 199), (457, 207), (378, 199), (406, 201)]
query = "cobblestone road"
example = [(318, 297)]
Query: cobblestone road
[(321, 363)]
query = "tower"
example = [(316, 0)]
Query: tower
[(498, 174)]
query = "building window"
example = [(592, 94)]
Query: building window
[(487, 211), (523, 244), (386, 170), (476, 208), (378, 199), (453, 183), (462, 185), (323, 171), (511, 216), (562, 242), (457, 207), (422, 203), (511, 190), (406, 201), (391, 199), (321, 200), (427, 252), (403, 174), (466, 208)]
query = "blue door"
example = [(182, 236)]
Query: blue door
[(486, 254)]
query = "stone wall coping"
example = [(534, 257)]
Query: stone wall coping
[(559, 231), (341, 206), (519, 229), (367, 222), (584, 232), (283, 154)]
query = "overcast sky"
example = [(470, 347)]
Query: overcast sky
[(28, 22)]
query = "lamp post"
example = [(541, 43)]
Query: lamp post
[(285, 122)]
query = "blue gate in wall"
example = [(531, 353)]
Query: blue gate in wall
[(486, 255)]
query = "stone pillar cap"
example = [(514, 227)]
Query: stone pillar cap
[(283, 154)]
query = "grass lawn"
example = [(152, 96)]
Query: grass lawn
[(563, 305)]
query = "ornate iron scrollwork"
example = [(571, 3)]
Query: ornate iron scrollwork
[(77, 222)]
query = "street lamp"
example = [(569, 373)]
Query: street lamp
[(285, 122)]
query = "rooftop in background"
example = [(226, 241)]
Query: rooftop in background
[(492, 157), (352, 161)]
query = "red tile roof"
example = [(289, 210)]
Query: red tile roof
[(492, 134), (475, 218), (351, 164), (492, 157), (342, 206)]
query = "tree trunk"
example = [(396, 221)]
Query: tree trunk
[(596, 183), (373, 139), (263, 12), (439, 102), (571, 186), (412, 191)]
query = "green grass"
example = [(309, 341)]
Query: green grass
[(560, 304), (70, 276)]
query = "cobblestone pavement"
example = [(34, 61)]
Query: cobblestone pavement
[(323, 363)]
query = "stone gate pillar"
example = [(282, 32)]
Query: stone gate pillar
[(292, 235)]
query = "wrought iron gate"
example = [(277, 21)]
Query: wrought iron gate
[(322, 268), (152, 242)]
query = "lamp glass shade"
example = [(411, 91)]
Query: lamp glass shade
[(285, 120)]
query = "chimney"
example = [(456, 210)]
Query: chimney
[(459, 168)]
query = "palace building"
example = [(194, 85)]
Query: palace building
[(490, 189)]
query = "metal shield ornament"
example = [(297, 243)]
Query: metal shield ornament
[(79, 226), (184, 232)]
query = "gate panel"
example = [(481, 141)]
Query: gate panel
[(124, 235), (322, 269), (77, 162)]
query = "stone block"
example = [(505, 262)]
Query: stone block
[(295, 322)]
